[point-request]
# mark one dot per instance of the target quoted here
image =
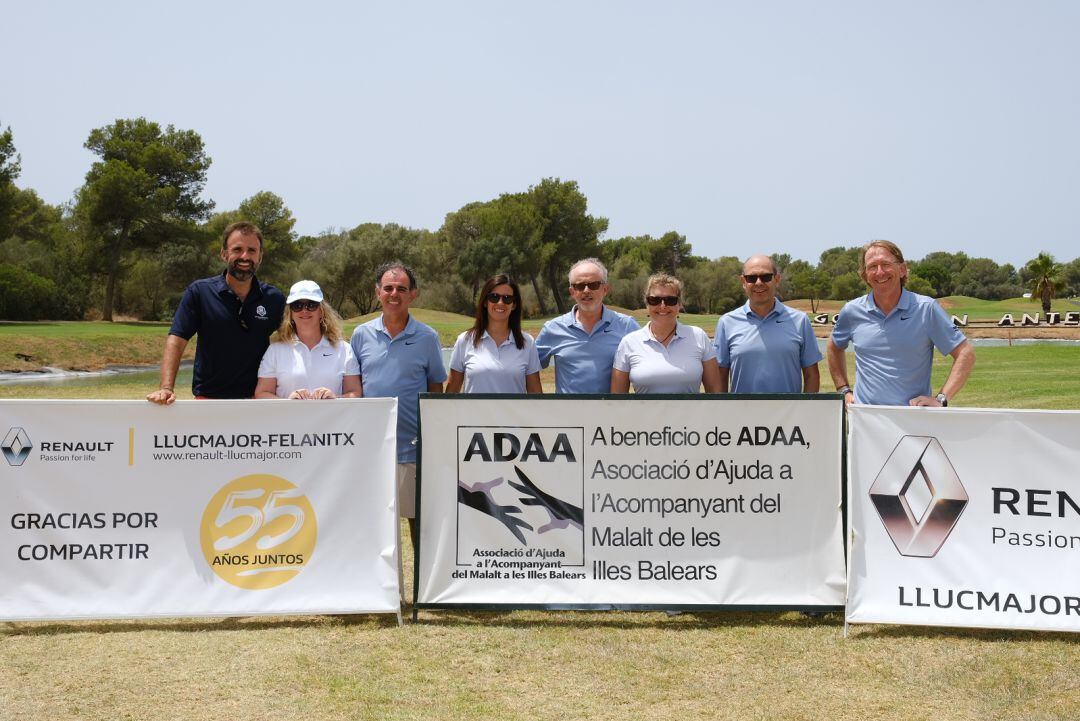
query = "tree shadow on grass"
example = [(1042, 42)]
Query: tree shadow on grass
[(690, 620), (196, 625), (985, 635)]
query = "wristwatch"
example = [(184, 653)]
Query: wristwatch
[(943, 400), (843, 390)]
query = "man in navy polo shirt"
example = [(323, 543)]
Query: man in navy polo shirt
[(895, 332), (233, 314), (400, 357), (764, 346), (583, 342)]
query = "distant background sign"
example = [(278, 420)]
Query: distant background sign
[(127, 509), (965, 517), (655, 501)]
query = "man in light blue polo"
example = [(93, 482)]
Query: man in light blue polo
[(764, 346), (583, 341), (400, 357), (895, 332)]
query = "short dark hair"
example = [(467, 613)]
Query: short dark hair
[(245, 228), (395, 265)]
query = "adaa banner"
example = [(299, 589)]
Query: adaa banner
[(564, 501), (964, 517), (126, 509)]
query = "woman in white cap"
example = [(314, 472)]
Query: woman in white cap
[(311, 359)]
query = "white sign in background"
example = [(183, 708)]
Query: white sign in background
[(126, 509), (964, 517), (636, 501)]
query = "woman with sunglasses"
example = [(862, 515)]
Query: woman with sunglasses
[(311, 359), (665, 356), (495, 356)]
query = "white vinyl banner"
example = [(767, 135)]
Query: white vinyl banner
[(114, 509), (563, 501), (964, 517)]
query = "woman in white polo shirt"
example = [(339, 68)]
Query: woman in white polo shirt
[(665, 356), (311, 359), (495, 356)]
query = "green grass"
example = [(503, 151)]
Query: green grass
[(994, 309), (83, 329), (1042, 376)]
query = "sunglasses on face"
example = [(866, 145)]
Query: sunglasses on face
[(496, 297), (668, 300), (591, 285), (302, 305), (754, 277)]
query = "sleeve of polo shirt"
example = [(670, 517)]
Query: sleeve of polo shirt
[(187, 316), (544, 346), (357, 345), (720, 344), (622, 356), (842, 329), (268, 366), (943, 333), (708, 352), (352, 368), (632, 324), (811, 354), (436, 371), (457, 358), (534, 357)]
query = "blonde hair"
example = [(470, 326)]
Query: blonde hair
[(329, 323), (663, 279)]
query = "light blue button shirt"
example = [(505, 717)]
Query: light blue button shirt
[(766, 355), (400, 367), (583, 360), (894, 352)]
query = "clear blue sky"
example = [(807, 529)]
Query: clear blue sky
[(750, 126)]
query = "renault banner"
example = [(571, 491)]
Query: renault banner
[(964, 517), (687, 501), (126, 509)]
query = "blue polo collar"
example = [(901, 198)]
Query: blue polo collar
[(907, 298), (606, 317), (410, 327), (750, 311)]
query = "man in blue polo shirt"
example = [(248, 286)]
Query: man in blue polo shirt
[(400, 357), (764, 346), (895, 332), (233, 314), (583, 341)]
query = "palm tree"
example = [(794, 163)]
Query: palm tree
[(1046, 278)]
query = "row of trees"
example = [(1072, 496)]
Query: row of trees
[(139, 230)]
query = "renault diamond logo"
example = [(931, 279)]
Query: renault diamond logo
[(918, 496), (17, 446)]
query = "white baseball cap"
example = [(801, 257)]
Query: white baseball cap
[(305, 290)]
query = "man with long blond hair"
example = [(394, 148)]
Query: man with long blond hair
[(895, 332)]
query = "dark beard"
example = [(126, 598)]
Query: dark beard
[(241, 275)]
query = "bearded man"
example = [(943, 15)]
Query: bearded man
[(233, 314)]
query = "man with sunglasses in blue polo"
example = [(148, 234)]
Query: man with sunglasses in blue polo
[(583, 341), (234, 315), (764, 346)]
